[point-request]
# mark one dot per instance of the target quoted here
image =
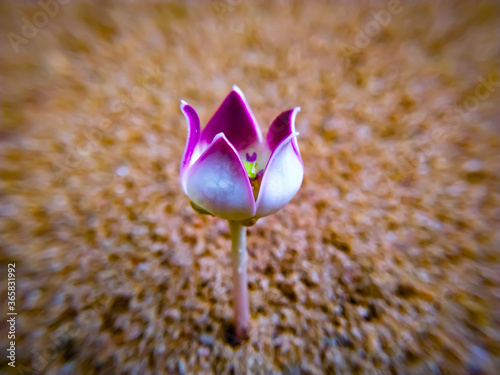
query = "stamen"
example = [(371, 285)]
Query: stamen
[(252, 158), (255, 182)]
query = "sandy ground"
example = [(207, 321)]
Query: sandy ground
[(386, 261)]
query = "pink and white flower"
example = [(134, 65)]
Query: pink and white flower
[(229, 171)]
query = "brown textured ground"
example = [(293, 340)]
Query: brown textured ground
[(385, 260)]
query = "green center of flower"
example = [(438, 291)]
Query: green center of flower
[(251, 165), (251, 169)]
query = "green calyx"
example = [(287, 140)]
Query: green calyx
[(199, 209)]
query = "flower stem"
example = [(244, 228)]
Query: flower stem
[(240, 291)]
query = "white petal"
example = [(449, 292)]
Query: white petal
[(282, 178), (218, 182)]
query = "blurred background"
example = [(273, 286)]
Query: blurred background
[(386, 261)]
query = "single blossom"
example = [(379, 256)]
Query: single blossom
[(229, 171)]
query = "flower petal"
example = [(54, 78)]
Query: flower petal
[(282, 178), (218, 182), (235, 119), (282, 127), (193, 123)]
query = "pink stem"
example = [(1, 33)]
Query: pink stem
[(240, 291)]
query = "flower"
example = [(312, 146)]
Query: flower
[(229, 171)]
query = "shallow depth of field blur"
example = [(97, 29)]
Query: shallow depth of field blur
[(386, 261)]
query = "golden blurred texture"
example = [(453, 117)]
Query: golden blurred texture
[(386, 261)]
